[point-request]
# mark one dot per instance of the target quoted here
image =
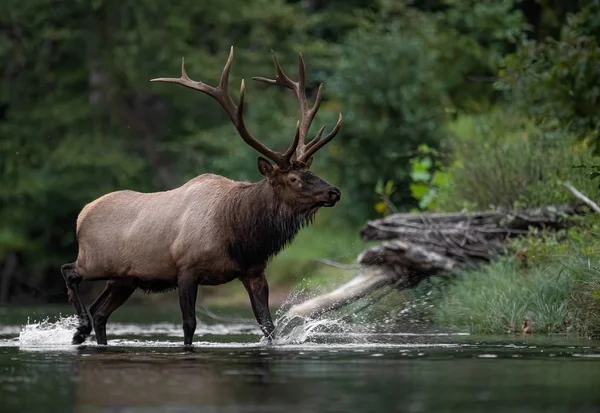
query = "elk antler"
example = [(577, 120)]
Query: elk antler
[(303, 151), (221, 95)]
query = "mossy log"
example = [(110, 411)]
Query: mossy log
[(417, 246)]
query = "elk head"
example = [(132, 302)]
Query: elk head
[(290, 175)]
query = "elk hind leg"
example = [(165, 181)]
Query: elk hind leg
[(114, 295), (72, 280)]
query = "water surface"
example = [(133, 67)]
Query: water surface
[(314, 367)]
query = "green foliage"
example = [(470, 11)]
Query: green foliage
[(428, 176), (385, 206), (498, 160), (593, 170), (400, 75), (476, 35), (79, 117), (540, 245), (557, 81), (382, 121)]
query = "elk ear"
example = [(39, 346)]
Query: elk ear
[(264, 167)]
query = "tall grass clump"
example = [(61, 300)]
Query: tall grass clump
[(562, 296)]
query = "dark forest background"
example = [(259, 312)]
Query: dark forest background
[(448, 105)]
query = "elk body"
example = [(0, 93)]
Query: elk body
[(209, 231)]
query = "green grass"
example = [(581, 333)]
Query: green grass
[(562, 296)]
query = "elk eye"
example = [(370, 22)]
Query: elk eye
[(293, 179)]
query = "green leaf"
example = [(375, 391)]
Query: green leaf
[(379, 187), (420, 176), (426, 162), (424, 148), (427, 199), (389, 187), (440, 178), (418, 191)]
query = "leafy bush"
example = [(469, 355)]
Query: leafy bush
[(558, 81), (399, 76), (385, 116), (498, 160)]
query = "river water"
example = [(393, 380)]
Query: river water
[(315, 366)]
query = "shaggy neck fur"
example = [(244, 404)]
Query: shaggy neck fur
[(262, 224)]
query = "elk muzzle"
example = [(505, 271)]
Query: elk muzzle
[(332, 196)]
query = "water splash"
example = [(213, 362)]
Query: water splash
[(299, 330), (328, 328), (46, 333), (343, 327), (295, 329)]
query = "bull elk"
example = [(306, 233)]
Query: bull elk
[(209, 231)]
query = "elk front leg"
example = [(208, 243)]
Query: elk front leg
[(258, 290), (188, 291)]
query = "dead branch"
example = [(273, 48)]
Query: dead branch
[(582, 197)]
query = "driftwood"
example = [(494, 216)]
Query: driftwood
[(416, 246)]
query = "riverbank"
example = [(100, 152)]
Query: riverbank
[(550, 284)]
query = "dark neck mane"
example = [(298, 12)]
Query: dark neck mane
[(261, 224)]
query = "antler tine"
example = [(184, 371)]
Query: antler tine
[(316, 138), (299, 88), (235, 112), (184, 80), (224, 82), (317, 144), (281, 79), (292, 149)]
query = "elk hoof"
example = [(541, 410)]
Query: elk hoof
[(78, 338)]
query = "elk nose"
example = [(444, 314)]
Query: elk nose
[(334, 194)]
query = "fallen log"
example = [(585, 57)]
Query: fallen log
[(417, 246)]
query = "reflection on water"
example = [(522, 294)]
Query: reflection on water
[(324, 367)]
